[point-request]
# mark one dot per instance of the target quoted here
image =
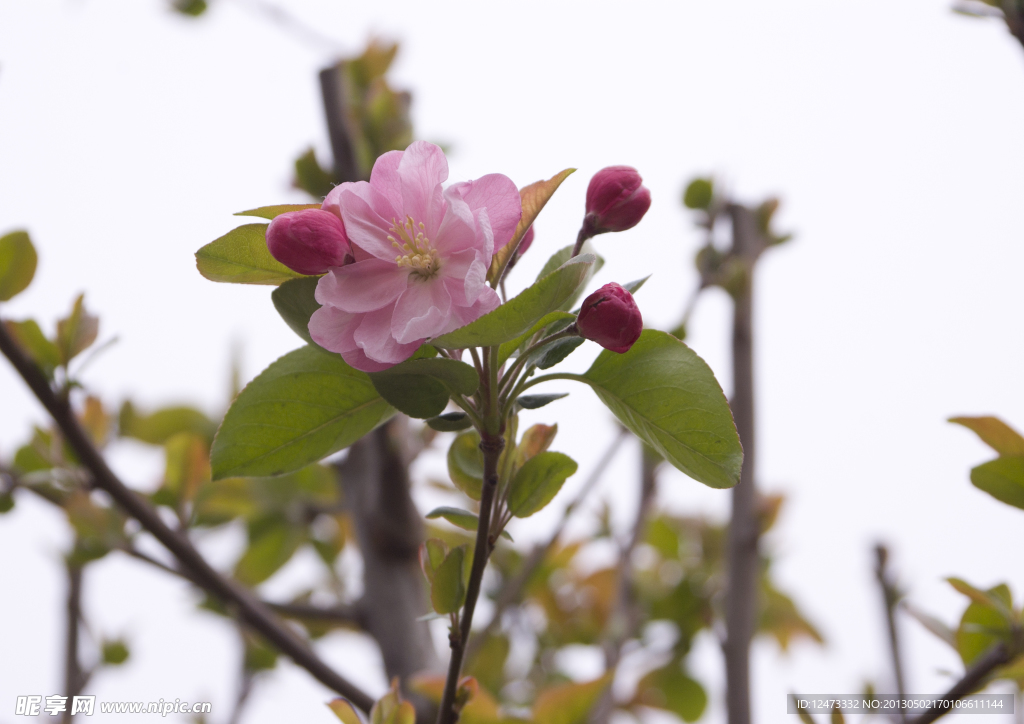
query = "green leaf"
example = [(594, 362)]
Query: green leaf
[(634, 286), (981, 627), (241, 257), (532, 402), (533, 198), (568, 703), (17, 263), (459, 518), (76, 331), (432, 554), (551, 354), (421, 387), (669, 398), (344, 710), (995, 433), (311, 177), (466, 464), (448, 588), (31, 339), (267, 552), (272, 212), (1003, 479), (519, 314), (302, 408), (450, 422), (538, 481), (191, 8), (158, 427), (295, 302), (997, 598), (699, 194), (563, 255), (508, 348), (669, 688), (115, 652)]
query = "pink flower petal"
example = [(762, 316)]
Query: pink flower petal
[(488, 301), (499, 195), (385, 178), (465, 275), (363, 286), (332, 329), (374, 337), (459, 230), (368, 216), (422, 171), (421, 312), (357, 358)]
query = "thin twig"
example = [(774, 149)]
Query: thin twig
[(74, 676), (248, 607), (992, 659), (512, 590), (891, 598)]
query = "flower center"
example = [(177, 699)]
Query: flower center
[(417, 253)]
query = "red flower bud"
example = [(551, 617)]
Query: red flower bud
[(308, 241), (611, 318), (616, 200), (525, 243)]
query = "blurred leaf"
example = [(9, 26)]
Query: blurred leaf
[(31, 339), (805, 717), (98, 529), (192, 8), (534, 197), (6, 502), (517, 315), (95, 421), (305, 406), (1003, 479), (981, 627), (115, 652), (538, 481), (158, 427), (432, 554), (837, 716), (268, 551), (781, 619), (995, 433), (699, 194), (450, 422), (241, 257), (272, 212), (311, 177), (448, 587), (460, 518), (997, 598), (488, 664), (466, 464), (17, 264), (568, 703), (535, 440), (634, 286), (421, 387), (344, 710), (76, 331), (258, 655), (669, 688), (188, 465), (295, 302), (669, 398), (932, 624), (533, 402), (390, 709)]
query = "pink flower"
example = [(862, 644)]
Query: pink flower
[(611, 318), (616, 200), (421, 257), (308, 241)]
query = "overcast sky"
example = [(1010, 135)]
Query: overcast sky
[(890, 130)]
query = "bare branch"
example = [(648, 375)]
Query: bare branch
[(988, 662), (891, 598), (233, 594)]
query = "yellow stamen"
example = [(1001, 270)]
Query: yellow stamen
[(417, 253)]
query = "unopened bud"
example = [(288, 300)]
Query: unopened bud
[(616, 200), (611, 318), (308, 241)]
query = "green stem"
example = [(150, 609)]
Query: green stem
[(553, 376), (509, 378), (468, 408)]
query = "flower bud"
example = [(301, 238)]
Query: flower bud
[(611, 318), (308, 241), (616, 200), (525, 243)]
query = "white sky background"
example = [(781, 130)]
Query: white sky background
[(892, 132)]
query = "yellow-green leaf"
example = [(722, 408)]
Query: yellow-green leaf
[(17, 263), (995, 433), (241, 257)]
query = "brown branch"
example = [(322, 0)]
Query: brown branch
[(512, 590), (491, 445), (74, 677), (992, 659), (234, 595), (890, 598), (741, 603)]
